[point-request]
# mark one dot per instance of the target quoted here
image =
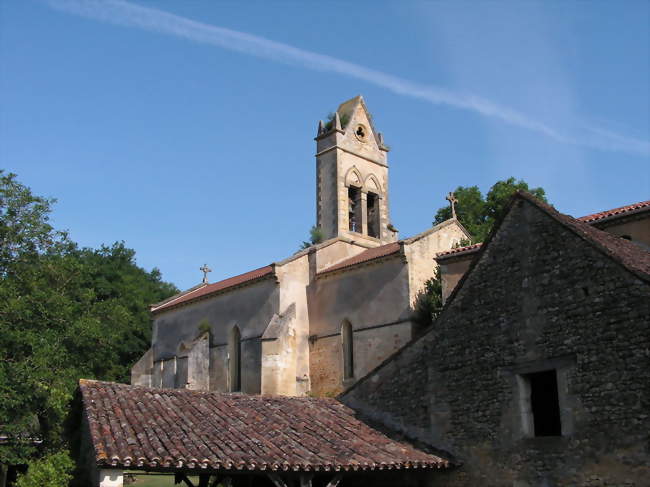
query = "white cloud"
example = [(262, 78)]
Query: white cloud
[(132, 15)]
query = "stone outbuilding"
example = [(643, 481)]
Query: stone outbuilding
[(537, 372), (239, 440)]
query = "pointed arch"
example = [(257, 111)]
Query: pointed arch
[(353, 177), (347, 343), (234, 359), (372, 184)]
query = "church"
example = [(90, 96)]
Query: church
[(318, 320)]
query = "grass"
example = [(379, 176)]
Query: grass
[(144, 480)]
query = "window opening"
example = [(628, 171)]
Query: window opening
[(373, 215), (354, 209), (360, 132), (544, 403), (347, 339), (234, 353)]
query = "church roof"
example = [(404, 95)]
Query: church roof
[(171, 429), (200, 292), (616, 212), (365, 256)]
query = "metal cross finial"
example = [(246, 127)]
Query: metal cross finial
[(452, 201), (205, 270)]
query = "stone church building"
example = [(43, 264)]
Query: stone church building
[(322, 318)]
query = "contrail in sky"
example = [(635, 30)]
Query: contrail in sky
[(127, 14)]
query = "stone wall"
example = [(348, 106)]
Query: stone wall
[(250, 308), (539, 298), (374, 298)]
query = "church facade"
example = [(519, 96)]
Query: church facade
[(319, 320)]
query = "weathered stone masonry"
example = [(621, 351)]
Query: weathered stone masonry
[(539, 297)]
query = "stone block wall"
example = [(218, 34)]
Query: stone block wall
[(540, 298)]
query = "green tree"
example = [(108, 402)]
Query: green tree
[(65, 313), (478, 214), (428, 303), (315, 237), (51, 471)]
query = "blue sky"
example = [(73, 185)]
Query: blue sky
[(186, 128)]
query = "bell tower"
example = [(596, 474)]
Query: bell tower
[(352, 177)]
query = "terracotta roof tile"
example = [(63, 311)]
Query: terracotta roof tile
[(468, 249), (140, 427), (623, 210), (365, 256), (204, 291)]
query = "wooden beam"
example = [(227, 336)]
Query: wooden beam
[(181, 477), (277, 480), (335, 481)]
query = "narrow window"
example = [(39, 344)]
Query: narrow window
[(544, 405), (373, 215), (234, 360), (347, 340), (354, 209)]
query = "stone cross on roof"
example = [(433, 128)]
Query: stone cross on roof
[(452, 201), (205, 270), (451, 197)]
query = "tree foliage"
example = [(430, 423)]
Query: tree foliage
[(428, 303), (315, 237), (478, 214), (51, 471), (65, 313)]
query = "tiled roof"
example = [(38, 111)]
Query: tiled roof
[(623, 210), (204, 291), (630, 255), (365, 256), (141, 427), (468, 249)]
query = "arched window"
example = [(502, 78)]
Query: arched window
[(347, 340), (234, 359)]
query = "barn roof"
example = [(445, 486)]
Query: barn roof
[(171, 429)]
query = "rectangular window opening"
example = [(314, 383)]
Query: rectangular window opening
[(544, 403), (354, 209), (373, 215)]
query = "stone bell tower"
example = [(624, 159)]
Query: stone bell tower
[(352, 177)]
